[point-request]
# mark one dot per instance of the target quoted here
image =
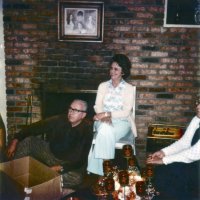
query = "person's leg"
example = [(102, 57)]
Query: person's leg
[(105, 142), (108, 135), (104, 148), (72, 179), (193, 180), (172, 181), (122, 130), (36, 148), (39, 149)]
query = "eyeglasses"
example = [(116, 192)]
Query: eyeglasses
[(74, 110)]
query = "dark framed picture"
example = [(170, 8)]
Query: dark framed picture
[(80, 21), (182, 13)]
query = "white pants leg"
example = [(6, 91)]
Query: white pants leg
[(104, 148)]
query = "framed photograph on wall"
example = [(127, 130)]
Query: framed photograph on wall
[(80, 21), (182, 13)]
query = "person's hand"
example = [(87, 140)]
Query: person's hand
[(157, 154), (157, 161), (57, 168), (104, 117), (106, 120), (99, 116), (95, 118), (10, 151), (156, 158)]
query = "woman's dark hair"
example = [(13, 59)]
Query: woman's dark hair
[(124, 62)]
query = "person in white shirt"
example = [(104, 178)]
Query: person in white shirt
[(177, 170), (113, 119)]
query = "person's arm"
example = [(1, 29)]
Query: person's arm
[(98, 107), (189, 155), (29, 130), (37, 128), (181, 150), (32, 129), (185, 141)]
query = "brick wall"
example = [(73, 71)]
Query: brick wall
[(165, 61)]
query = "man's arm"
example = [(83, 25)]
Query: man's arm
[(29, 130), (181, 150), (188, 155), (35, 129), (156, 158)]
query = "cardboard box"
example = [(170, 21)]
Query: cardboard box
[(34, 177)]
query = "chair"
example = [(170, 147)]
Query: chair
[(126, 140)]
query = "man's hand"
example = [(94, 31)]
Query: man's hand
[(57, 168), (157, 161), (156, 158), (12, 148)]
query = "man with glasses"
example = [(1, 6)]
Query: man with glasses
[(177, 174), (67, 145)]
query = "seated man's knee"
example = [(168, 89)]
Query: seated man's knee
[(30, 140), (72, 179)]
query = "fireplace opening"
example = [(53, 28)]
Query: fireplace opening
[(54, 102)]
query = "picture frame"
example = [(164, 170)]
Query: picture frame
[(80, 21), (184, 13)]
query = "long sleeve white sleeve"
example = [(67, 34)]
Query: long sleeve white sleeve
[(181, 150)]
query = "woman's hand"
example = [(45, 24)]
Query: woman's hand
[(107, 120), (104, 117)]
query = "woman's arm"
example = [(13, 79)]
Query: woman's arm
[(98, 107)]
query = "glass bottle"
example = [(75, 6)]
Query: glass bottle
[(107, 167), (132, 167)]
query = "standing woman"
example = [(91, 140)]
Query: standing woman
[(113, 120)]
